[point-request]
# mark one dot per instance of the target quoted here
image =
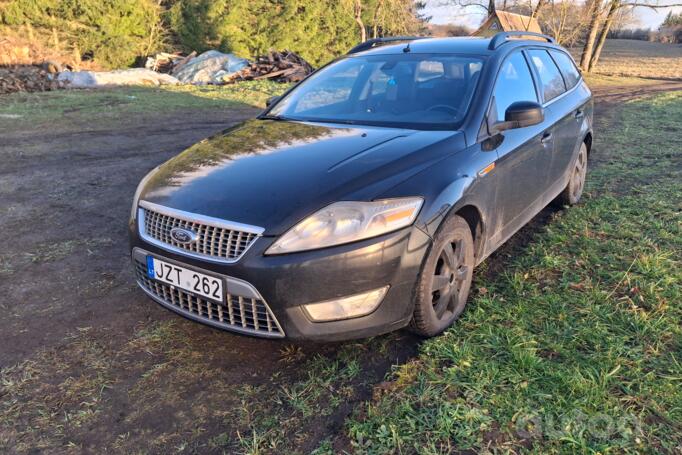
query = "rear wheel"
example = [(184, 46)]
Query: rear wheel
[(576, 184), (445, 278)]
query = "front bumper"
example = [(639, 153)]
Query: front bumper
[(284, 283)]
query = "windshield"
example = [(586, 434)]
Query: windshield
[(422, 91)]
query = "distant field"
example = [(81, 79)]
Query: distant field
[(641, 59)]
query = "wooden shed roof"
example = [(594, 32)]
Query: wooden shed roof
[(509, 22)]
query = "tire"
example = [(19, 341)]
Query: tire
[(576, 183), (443, 284)]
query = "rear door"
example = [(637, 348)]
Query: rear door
[(560, 121), (521, 153), (573, 107)]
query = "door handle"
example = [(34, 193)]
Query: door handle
[(579, 114), (546, 137)]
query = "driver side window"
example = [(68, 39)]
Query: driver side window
[(514, 83)]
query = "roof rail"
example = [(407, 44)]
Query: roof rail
[(370, 43), (503, 37)]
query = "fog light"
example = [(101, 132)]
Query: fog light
[(346, 307)]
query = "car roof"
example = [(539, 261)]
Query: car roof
[(452, 45)]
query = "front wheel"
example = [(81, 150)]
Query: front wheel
[(444, 282), (576, 184)]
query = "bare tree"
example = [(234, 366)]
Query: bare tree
[(565, 20), (591, 55), (529, 7), (487, 6), (595, 9), (594, 58), (375, 19), (357, 15)]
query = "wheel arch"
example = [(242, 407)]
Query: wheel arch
[(474, 218), (587, 140), (457, 199)]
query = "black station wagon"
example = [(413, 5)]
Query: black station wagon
[(361, 200)]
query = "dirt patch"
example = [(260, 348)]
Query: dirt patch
[(90, 364)]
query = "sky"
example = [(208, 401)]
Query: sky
[(443, 12)]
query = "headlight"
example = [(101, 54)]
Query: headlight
[(138, 191), (345, 222)]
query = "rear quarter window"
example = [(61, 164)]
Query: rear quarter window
[(567, 68)]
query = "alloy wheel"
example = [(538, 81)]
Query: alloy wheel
[(579, 172), (450, 274)]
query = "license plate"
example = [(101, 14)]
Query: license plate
[(189, 280)]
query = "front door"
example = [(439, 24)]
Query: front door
[(522, 153)]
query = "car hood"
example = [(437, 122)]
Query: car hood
[(271, 174)]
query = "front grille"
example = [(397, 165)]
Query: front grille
[(242, 314), (213, 241)]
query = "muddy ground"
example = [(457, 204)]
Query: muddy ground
[(88, 363)]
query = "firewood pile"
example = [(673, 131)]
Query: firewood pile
[(28, 78), (211, 67), (285, 66)]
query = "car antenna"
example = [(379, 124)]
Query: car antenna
[(406, 49)]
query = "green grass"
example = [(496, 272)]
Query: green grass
[(577, 347), (18, 108)]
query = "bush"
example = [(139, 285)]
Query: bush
[(317, 30), (114, 32), (640, 34), (193, 23)]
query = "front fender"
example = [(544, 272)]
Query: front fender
[(450, 185), (451, 197)]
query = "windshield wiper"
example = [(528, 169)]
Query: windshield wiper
[(280, 118), (343, 122)]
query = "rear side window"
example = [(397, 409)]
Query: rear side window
[(550, 77), (514, 83), (567, 67)]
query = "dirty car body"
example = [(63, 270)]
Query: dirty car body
[(382, 145)]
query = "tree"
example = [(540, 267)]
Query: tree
[(357, 15), (564, 20), (526, 7), (594, 58), (113, 32), (487, 6), (595, 9), (590, 55), (672, 20)]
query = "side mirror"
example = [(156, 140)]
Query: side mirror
[(522, 114), (272, 100)]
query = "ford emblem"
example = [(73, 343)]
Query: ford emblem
[(183, 236)]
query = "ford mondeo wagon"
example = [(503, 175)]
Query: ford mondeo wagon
[(361, 200)]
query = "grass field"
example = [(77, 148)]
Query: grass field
[(578, 346), (102, 104), (635, 58)]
